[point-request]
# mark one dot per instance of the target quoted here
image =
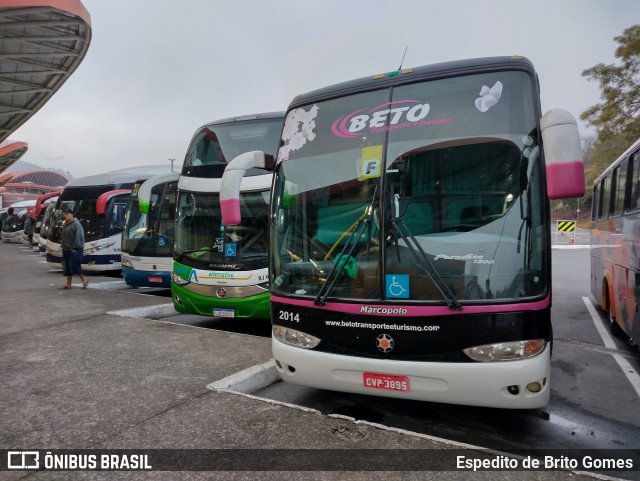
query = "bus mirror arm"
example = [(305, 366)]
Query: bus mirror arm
[(231, 180)]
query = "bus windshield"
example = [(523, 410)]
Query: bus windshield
[(203, 239), (83, 202), (215, 145), (428, 192), (46, 220), (15, 224), (151, 234)]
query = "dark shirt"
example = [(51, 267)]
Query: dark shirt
[(72, 236)]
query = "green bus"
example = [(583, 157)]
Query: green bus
[(219, 270)]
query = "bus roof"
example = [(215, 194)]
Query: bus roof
[(23, 204), (40, 201), (242, 118), (410, 75), (615, 163), (130, 174)]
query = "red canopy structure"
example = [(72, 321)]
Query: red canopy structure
[(42, 42), (21, 186), (10, 152)]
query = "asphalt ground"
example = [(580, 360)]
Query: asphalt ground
[(76, 376)]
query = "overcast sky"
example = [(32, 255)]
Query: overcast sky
[(157, 70)]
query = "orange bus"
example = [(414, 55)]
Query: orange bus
[(615, 243)]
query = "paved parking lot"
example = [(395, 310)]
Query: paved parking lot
[(76, 377)]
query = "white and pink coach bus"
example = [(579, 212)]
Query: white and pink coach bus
[(410, 251)]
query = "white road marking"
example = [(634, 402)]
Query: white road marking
[(627, 369)]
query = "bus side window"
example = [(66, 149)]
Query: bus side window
[(605, 206), (601, 201), (635, 176), (595, 202), (620, 187)]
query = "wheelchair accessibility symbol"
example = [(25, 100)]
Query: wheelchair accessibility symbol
[(230, 250), (397, 286)]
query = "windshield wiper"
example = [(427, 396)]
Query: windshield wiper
[(183, 254), (342, 259), (425, 263)]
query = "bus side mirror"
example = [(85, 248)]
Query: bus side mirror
[(563, 155), (230, 186)]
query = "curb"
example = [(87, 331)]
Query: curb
[(248, 380), (149, 312)]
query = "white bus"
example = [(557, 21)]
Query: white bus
[(410, 251), (99, 202), (13, 229), (147, 240), (45, 227), (222, 271), (43, 202)]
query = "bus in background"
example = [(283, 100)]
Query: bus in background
[(410, 251), (615, 229), (13, 231), (29, 224), (99, 203), (147, 239), (41, 206), (44, 229), (218, 270)]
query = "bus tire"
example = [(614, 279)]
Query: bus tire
[(615, 329)]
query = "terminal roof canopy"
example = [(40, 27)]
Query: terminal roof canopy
[(10, 152), (42, 42)]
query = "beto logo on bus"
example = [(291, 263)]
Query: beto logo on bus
[(382, 118)]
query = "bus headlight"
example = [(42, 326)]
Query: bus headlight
[(176, 279), (506, 351), (126, 262), (295, 338)]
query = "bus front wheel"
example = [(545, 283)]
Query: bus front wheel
[(615, 329)]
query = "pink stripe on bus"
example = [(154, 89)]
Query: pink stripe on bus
[(426, 311)]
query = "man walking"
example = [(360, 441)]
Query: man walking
[(72, 249)]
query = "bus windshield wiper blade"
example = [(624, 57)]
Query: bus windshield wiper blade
[(426, 264), (183, 254), (341, 259)]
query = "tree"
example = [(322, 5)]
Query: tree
[(617, 118), (618, 115)]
